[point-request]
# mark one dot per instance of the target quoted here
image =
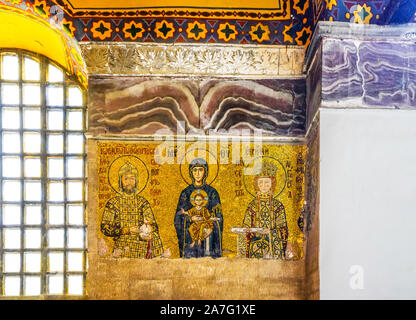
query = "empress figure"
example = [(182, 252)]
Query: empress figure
[(267, 213)]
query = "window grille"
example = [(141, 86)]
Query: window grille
[(42, 178)]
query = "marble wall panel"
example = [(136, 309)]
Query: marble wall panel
[(314, 87), (143, 105), (389, 73), (311, 213), (368, 73)]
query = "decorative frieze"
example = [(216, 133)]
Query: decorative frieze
[(188, 59)]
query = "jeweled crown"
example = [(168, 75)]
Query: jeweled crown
[(268, 170), (127, 168)]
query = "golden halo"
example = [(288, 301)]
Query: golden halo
[(250, 173), (199, 192), (113, 169), (204, 154)]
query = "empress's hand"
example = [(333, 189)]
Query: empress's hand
[(117, 253), (290, 252)]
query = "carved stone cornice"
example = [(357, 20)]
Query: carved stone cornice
[(132, 59)]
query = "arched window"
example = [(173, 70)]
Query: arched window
[(42, 178)]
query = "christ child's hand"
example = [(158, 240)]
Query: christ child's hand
[(197, 218)]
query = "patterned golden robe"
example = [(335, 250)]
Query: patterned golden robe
[(268, 213), (126, 211), (196, 229)]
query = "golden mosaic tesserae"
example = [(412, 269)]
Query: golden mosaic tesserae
[(162, 209)]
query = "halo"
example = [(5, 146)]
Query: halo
[(199, 192), (281, 176), (113, 178), (212, 165)]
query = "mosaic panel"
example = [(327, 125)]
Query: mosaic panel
[(190, 200)]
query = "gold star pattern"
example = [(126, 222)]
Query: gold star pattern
[(68, 27), (304, 37), (164, 29), (331, 3), (259, 33), (196, 30), (287, 37), (101, 30), (42, 9), (298, 9), (362, 14), (226, 32), (133, 30)]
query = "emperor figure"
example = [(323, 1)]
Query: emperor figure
[(129, 220), (212, 245), (267, 213)]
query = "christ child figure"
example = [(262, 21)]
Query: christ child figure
[(201, 223)]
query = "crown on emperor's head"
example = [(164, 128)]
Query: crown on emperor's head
[(127, 168), (268, 169)]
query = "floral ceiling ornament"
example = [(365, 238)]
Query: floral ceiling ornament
[(304, 37), (331, 3), (227, 32), (286, 36), (133, 30), (101, 30), (362, 14), (68, 27), (164, 29), (42, 9), (260, 32), (300, 6), (196, 31)]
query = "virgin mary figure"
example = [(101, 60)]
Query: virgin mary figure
[(211, 246)]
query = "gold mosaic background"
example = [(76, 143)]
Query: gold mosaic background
[(166, 183)]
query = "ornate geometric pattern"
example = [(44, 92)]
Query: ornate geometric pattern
[(292, 23), (269, 10), (362, 14), (133, 30), (101, 30), (361, 11), (196, 30), (187, 25), (260, 32)]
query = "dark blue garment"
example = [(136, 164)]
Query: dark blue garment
[(182, 223)]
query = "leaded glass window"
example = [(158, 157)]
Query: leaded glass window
[(42, 178)]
